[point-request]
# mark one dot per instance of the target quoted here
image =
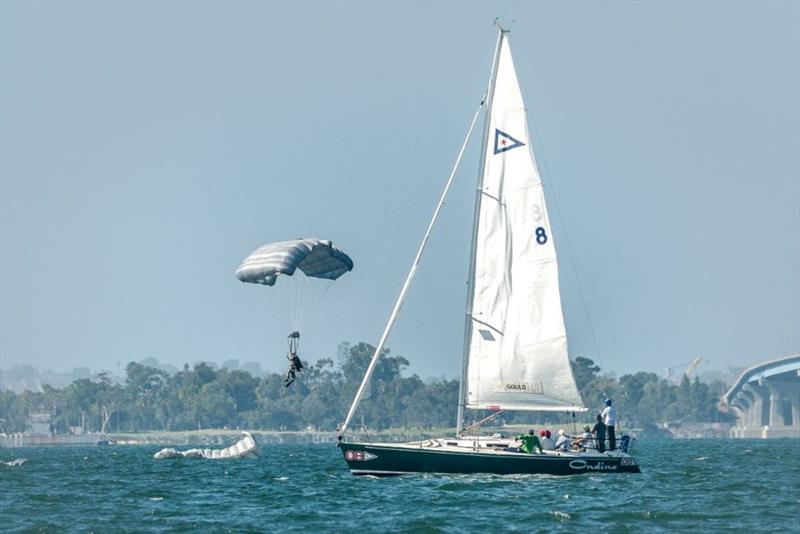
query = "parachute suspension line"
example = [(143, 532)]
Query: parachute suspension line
[(287, 297), (393, 316), (298, 292), (274, 307), (294, 301), (290, 293), (301, 287), (281, 267), (283, 302), (294, 342), (254, 292), (314, 299)]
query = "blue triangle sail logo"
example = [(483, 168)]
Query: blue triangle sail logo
[(504, 142)]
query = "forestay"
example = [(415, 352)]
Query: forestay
[(517, 345)]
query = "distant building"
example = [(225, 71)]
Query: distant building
[(766, 400), (41, 433), (40, 423)]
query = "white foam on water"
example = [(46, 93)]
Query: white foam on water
[(561, 516)]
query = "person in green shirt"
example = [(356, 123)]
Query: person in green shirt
[(530, 441)]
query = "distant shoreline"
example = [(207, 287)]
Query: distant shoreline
[(213, 436), (226, 436)]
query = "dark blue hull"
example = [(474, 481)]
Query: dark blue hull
[(390, 459)]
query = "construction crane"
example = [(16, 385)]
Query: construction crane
[(690, 366)]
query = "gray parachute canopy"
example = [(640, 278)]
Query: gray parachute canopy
[(317, 258)]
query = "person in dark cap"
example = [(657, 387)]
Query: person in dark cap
[(599, 432)]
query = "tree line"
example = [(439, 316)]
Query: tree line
[(203, 396)]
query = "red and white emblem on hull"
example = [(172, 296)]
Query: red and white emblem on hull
[(359, 456)]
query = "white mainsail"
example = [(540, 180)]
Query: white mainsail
[(516, 343)]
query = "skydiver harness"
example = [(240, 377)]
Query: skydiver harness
[(295, 365)]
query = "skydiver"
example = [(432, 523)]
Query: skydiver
[(294, 367)]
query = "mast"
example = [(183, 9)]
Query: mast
[(475, 219), (396, 310)]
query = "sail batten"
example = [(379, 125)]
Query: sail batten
[(517, 355)]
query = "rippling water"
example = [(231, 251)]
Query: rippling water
[(693, 485)]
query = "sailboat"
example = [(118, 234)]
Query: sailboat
[(515, 344)]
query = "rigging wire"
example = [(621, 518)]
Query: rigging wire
[(540, 155)]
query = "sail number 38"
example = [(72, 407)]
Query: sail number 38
[(541, 235)]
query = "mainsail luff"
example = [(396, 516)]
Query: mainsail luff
[(517, 348)]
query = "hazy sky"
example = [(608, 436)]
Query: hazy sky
[(146, 148)]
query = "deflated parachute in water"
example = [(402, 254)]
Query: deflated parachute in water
[(316, 258), (245, 446)]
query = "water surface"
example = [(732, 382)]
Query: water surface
[(689, 485)]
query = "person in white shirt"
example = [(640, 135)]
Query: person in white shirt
[(562, 443), (587, 440), (582, 442), (609, 416)]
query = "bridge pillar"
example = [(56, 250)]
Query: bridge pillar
[(762, 416), (783, 405), (758, 415), (749, 399), (740, 407)]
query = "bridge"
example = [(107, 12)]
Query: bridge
[(766, 400)]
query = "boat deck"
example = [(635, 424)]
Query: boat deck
[(498, 446)]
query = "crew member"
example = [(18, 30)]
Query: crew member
[(547, 442), (584, 442), (610, 418), (599, 432), (529, 441), (562, 443)]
